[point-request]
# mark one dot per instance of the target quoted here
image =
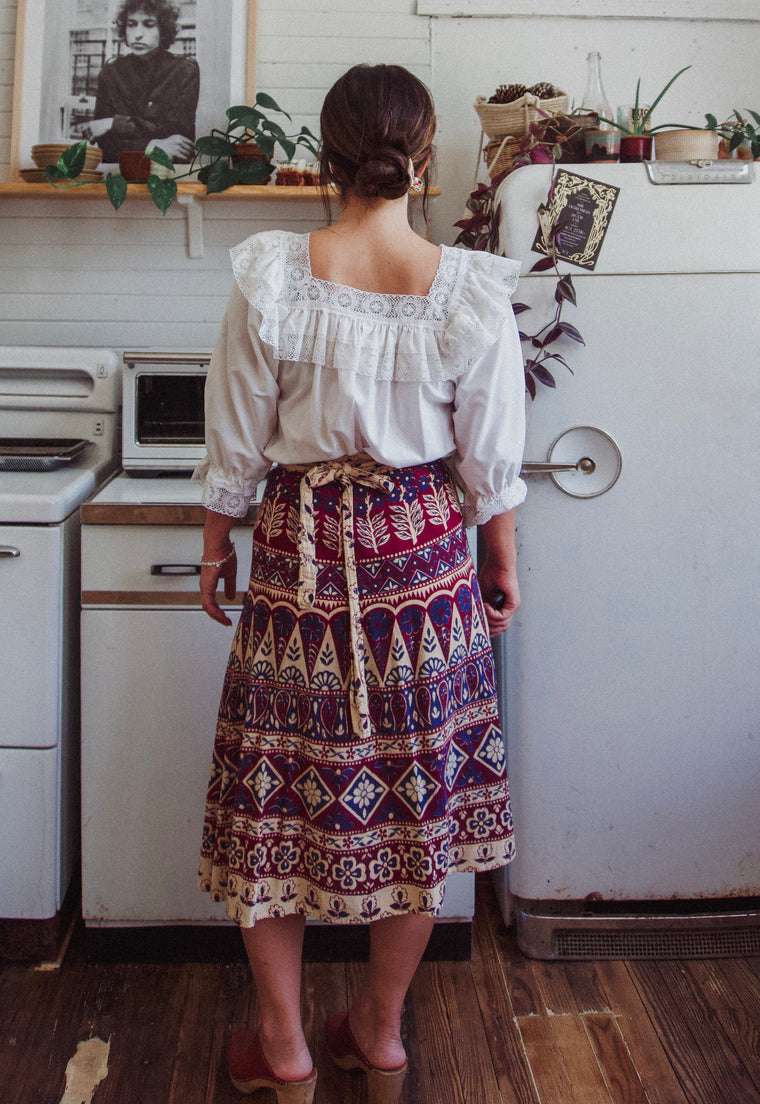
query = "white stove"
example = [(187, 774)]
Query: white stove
[(59, 425)]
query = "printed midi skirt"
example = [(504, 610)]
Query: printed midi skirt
[(358, 756)]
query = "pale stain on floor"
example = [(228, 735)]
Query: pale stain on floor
[(85, 1070)]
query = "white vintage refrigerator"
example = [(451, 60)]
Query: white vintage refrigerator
[(630, 679)]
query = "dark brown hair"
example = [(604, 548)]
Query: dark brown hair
[(165, 12), (374, 119)]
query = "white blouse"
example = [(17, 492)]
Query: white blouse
[(306, 370)]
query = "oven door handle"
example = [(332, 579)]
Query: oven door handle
[(7, 552), (175, 569)]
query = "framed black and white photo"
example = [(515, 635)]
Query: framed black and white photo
[(80, 59)]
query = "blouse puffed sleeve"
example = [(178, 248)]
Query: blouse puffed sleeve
[(241, 411), (489, 399)]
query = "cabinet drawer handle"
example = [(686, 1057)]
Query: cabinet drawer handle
[(8, 553), (175, 569)]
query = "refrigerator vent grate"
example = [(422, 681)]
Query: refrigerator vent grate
[(655, 944)]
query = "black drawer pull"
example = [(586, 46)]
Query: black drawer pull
[(175, 569)]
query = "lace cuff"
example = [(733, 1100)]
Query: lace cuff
[(219, 497), (478, 509)]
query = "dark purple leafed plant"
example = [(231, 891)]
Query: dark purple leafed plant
[(480, 231), (536, 365)]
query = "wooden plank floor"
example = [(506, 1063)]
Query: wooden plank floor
[(500, 1029)]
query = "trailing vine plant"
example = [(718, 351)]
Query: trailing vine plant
[(480, 231)]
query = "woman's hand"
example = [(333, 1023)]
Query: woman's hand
[(495, 581), (209, 581), (498, 575)]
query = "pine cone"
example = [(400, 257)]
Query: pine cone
[(507, 93), (543, 90)]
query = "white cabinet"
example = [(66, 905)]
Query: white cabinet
[(39, 580), (147, 733), (152, 671)]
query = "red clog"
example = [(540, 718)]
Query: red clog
[(250, 1070), (384, 1085)]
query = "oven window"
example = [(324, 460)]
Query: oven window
[(170, 409)]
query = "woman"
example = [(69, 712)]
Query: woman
[(358, 756), (148, 95)]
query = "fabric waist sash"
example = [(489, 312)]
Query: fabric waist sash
[(346, 471)]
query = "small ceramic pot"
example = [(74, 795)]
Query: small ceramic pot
[(134, 166), (602, 145), (246, 150), (635, 147)]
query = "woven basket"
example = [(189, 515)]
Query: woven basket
[(686, 145), (515, 118), (500, 153)]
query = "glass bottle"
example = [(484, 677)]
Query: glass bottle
[(594, 99)]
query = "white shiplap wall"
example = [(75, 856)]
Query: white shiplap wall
[(73, 272)]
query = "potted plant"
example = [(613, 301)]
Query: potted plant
[(738, 137), (239, 154), (636, 139)]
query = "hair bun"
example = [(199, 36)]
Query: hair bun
[(385, 173)]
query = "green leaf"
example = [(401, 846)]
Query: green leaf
[(266, 144), (116, 187), (163, 191), (667, 86), (252, 170), (53, 173), (754, 115), (161, 157), (263, 100), (712, 122), (71, 161), (221, 176), (289, 148), (243, 116), (211, 146)]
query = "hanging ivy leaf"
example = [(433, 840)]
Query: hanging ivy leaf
[(116, 188), (71, 161), (161, 157), (163, 192)]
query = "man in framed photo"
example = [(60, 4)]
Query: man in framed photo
[(147, 94)]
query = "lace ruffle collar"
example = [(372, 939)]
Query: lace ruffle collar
[(405, 337)]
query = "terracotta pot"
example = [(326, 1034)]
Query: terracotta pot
[(635, 147), (135, 166), (249, 150)]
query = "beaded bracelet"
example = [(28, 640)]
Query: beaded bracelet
[(218, 563)]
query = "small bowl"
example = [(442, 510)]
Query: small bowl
[(134, 166), (48, 154)]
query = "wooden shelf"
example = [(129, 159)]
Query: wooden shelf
[(19, 189), (191, 197)]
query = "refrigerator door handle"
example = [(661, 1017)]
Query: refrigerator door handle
[(597, 470), (538, 467)]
